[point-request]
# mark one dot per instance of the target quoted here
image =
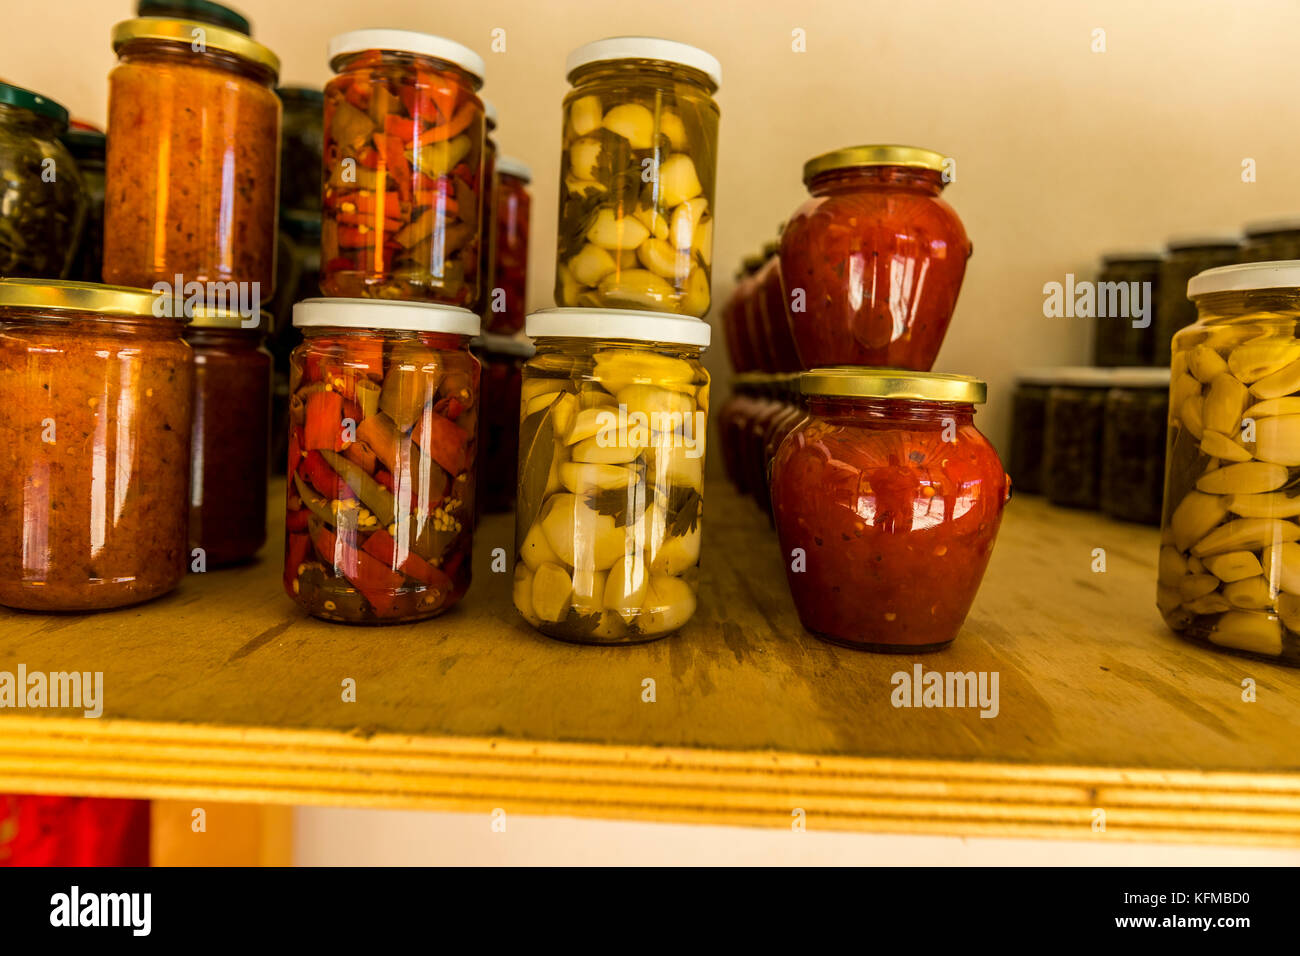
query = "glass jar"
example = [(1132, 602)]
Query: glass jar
[(1185, 258), (733, 424), (1072, 435), (754, 440), (1272, 240), (201, 11), (751, 347), (302, 145), (498, 468), (614, 410), (637, 177), (873, 261), (1123, 334), (193, 157), (791, 411), (297, 277), (773, 316), (1029, 428), (96, 390), (1133, 445), (88, 148), (887, 501), (1230, 557), (230, 442), (40, 221), (487, 237), (403, 221), (505, 315), (383, 420)]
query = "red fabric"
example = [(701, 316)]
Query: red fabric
[(73, 831)]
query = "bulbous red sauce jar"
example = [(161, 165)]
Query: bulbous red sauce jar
[(773, 317), (895, 498), (879, 257)]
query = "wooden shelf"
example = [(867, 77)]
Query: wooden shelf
[(225, 691)]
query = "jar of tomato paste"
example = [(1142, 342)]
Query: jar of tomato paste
[(773, 316), (229, 464), (887, 502), (507, 302), (637, 177), (404, 169), (193, 157), (383, 411), (873, 261), (611, 474), (503, 360), (94, 446)]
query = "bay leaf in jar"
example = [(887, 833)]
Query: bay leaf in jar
[(536, 449)]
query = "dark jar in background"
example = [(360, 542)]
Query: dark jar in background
[(230, 442), (1133, 445), (1186, 257), (87, 147), (1076, 418), (502, 376), (1116, 340)]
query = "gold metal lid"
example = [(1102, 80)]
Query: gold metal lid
[(210, 317), (182, 31), (47, 294), (852, 157), (851, 381)]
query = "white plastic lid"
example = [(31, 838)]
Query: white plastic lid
[(1049, 375), (645, 48), (407, 41), (498, 344), (1246, 277), (385, 314), (509, 166), (619, 324), (490, 115), (1084, 377), (1139, 378)]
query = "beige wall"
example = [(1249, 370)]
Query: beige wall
[(1062, 153)]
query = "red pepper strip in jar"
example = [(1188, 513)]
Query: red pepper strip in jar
[(893, 498)]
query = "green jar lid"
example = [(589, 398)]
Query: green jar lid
[(27, 100), (305, 94), (204, 11)]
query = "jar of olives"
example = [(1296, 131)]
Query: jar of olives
[(637, 177), (614, 410), (1230, 557), (41, 192), (1072, 433), (1133, 445), (1186, 257)]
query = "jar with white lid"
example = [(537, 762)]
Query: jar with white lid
[(1230, 556), (637, 177), (404, 170), (384, 404), (614, 410)]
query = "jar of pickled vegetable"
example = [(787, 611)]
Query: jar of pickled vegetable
[(1072, 437), (230, 442), (637, 177), (383, 410), (88, 149), (503, 360), (872, 262), (1133, 445), (202, 11), (302, 148), (486, 261), (1127, 331), (614, 410), (1230, 555), (193, 157), (507, 303), (773, 316), (887, 501), (42, 194), (404, 169), (1029, 428), (96, 446), (1272, 240), (1185, 258)]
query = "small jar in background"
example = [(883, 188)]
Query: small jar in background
[(637, 177), (507, 301), (88, 146), (97, 391), (201, 11), (301, 149), (487, 236), (1076, 417), (1184, 258), (193, 157), (503, 360), (733, 424), (1136, 278), (43, 217), (1133, 445), (230, 442), (1029, 427), (1271, 240), (773, 314)]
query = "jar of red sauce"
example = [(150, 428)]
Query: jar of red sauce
[(740, 346), (873, 261), (750, 318), (733, 422), (773, 317), (887, 501), (509, 291)]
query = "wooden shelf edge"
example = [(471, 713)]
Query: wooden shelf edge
[(125, 758)]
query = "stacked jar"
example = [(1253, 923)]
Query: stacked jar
[(1127, 322), (383, 391), (508, 302), (884, 493), (614, 405)]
